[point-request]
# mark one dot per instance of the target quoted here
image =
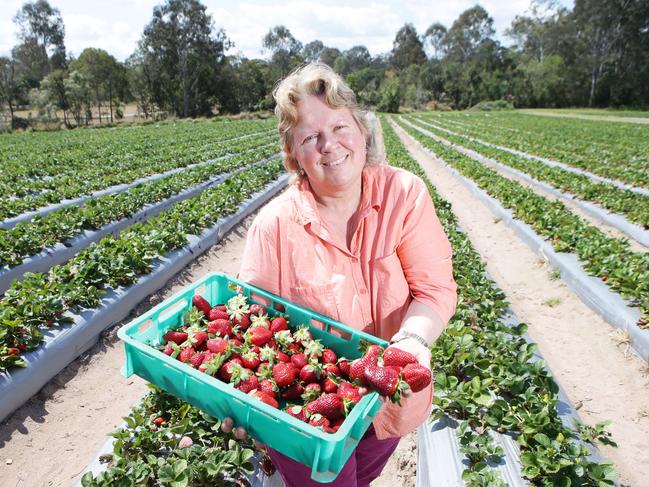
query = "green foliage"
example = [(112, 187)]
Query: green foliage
[(390, 93)]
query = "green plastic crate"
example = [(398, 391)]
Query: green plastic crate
[(325, 453)]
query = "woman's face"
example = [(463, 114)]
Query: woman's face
[(329, 145)]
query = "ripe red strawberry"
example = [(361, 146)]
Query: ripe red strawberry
[(332, 370), (218, 314), (177, 337), (284, 374), (319, 420), (278, 324), (258, 335), (218, 345), (297, 412), (282, 357), (242, 320), (248, 382), (329, 386), (310, 373), (221, 307), (201, 304), (386, 381), (299, 360), (328, 405), (329, 356), (349, 391), (159, 420), (311, 392), (250, 360), (294, 348), (257, 310), (292, 392), (185, 354), (335, 425), (398, 357), (302, 335), (417, 376), (13, 350), (197, 338), (269, 386), (212, 363), (197, 359), (220, 327), (228, 368), (358, 366), (343, 366), (264, 397)]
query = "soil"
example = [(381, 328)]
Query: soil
[(604, 118), (591, 361)]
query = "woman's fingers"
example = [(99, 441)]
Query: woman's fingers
[(240, 433), (226, 425)]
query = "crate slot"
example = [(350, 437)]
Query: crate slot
[(144, 326), (259, 299), (172, 310)]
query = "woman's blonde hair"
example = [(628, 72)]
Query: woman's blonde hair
[(320, 79)]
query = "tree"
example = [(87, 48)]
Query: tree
[(312, 51), (407, 48), (359, 57), (389, 92), (8, 86), (42, 35), (285, 50), (184, 57), (434, 38), (329, 55)]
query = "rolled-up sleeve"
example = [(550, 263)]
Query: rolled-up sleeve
[(426, 255)]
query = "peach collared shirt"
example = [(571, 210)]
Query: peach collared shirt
[(398, 252)]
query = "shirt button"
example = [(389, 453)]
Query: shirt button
[(363, 291)]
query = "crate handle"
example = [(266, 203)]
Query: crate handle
[(178, 305)]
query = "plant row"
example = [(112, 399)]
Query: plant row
[(29, 238), (487, 379), (616, 151), (166, 441), (101, 175), (611, 259), (46, 300), (41, 155), (634, 206)]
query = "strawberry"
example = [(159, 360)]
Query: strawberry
[(212, 363), (284, 374), (329, 385), (343, 366), (257, 310), (302, 334), (201, 304), (269, 386), (221, 307), (218, 345), (250, 360), (185, 354), (417, 376), (278, 324), (218, 314), (220, 327), (335, 425), (282, 357), (310, 373), (329, 356), (258, 336), (248, 382), (328, 405), (159, 420), (13, 350), (297, 412), (197, 338), (197, 359), (398, 357), (299, 360), (319, 420), (228, 368), (386, 381), (331, 370), (292, 392), (177, 337), (264, 397), (311, 392), (313, 348), (349, 391)]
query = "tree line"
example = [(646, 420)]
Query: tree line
[(595, 54)]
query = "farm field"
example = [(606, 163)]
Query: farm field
[(488, 377), (610, 115)]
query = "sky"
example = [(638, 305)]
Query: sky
[(117, 25)]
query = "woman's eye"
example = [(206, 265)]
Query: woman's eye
[(340, 126), (309, 138)]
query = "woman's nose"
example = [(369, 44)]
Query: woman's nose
[(327, 142)]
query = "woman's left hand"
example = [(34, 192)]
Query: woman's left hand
[(421, 353)]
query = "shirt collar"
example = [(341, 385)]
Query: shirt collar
[(306, 207)]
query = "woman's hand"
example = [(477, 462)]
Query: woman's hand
[(421, 353)]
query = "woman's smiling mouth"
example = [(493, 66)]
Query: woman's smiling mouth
[(336, 162)]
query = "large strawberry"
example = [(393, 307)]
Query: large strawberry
[(218, 314), (284, 374), (264, 397), (349, 391), (386, 381), (247, 381), (197, 359), (311, 372), (250, 360), (343, 366), (311, 392), (294, 391), (186, 353), (229, 368), (269, 386), (177, 337), (201, 304), (417, 376), (328, 405), (278, 324), (398, 357), (220, 326), (257, 310), (258, 335), (218, 345), (358, 366), (329, 356), (299, 360)]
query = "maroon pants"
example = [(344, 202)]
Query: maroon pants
[(364, 465)]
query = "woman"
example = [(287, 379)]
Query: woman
[(354, 239)]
